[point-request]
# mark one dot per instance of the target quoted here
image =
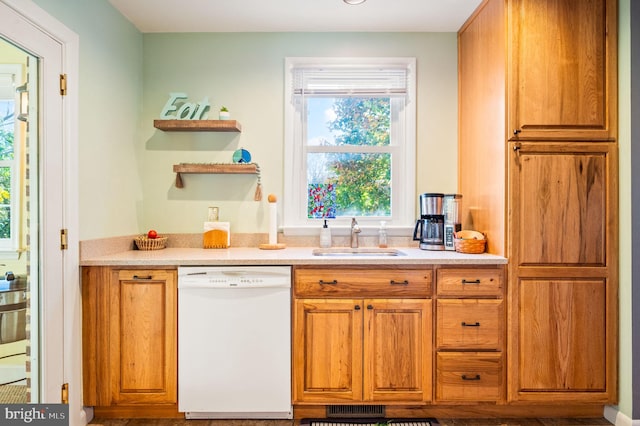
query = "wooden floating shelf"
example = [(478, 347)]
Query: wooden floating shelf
[(197, 125), (249, 168)]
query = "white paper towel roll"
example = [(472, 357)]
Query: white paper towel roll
[(273, 223)]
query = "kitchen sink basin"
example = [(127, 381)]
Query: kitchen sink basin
[(362, 251)]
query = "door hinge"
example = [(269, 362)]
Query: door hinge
[(63, 84), (63, 239), (64, 396)]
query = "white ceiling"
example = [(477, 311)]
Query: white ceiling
[(151, 16)]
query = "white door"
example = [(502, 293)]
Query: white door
[(30, 28)]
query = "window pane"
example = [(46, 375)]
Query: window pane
[(360, 184), (7, 126), (5, 202), (348, 121)]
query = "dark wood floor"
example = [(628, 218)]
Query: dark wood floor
[(443, 422)]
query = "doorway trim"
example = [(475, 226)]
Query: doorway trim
[(65, 348)]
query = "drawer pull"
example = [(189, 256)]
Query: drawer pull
[(138, 277), (470, 281), (394, 282), (334, 282), (468, 324), (465, 377)]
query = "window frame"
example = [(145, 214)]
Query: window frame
[(9, 247), (402, 147)]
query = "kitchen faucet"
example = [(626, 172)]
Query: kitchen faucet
[(355, 230)]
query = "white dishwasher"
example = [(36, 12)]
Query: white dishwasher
[(234, 342)]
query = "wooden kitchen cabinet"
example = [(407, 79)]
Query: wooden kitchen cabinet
[(561, 61), (470, 335), (352, 349), (565, 287), (538, 95), (130, 341)]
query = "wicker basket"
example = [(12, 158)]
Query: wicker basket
[(471, 242), (145, 243)]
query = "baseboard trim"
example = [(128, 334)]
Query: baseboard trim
[(618, 418)]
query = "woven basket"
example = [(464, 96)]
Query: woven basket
[(145, 243), (471, 242)]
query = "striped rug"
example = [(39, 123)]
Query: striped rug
[(370, 422)]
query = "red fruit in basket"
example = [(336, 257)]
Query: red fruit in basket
[(152, 234)]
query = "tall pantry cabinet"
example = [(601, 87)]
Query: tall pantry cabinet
[(539, 172)]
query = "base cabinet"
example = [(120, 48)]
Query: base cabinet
[(350, 350), (470, 335), (129, 338)]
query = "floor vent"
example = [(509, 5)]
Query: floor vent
[(353, 411)]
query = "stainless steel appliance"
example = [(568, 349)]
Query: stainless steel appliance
[(452, 223), (429, 228), (234, 342)]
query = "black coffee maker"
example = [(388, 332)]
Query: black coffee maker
[(429, 228)]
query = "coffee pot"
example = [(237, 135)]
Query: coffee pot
[(429, 228), (451, 210)]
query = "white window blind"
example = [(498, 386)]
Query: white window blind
[(357, 81)]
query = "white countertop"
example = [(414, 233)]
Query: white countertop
[(286, 256)]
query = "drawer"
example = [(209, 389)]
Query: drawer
[(469, 324), (354, 282), (470, 282), (469, 376)]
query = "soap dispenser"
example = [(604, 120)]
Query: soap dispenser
[(325, 236)]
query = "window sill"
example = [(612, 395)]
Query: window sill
[(9, 255)]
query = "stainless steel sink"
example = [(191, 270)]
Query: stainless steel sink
[(362, 251)]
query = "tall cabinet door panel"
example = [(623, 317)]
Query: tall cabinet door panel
[(327, 350), (563, 270), (397, 350), (562, 65)]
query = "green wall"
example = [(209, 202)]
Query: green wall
[(245, 72), (110, 102), (625, 385)]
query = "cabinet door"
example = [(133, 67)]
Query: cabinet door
[(562, 69), (143, 337), (562, 335), (563, 204), (397, 350), (327, 350)]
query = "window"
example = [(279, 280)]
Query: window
[(10, 78), (350, 142)]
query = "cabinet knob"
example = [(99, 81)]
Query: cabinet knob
[(369, 307), (357, 307)]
